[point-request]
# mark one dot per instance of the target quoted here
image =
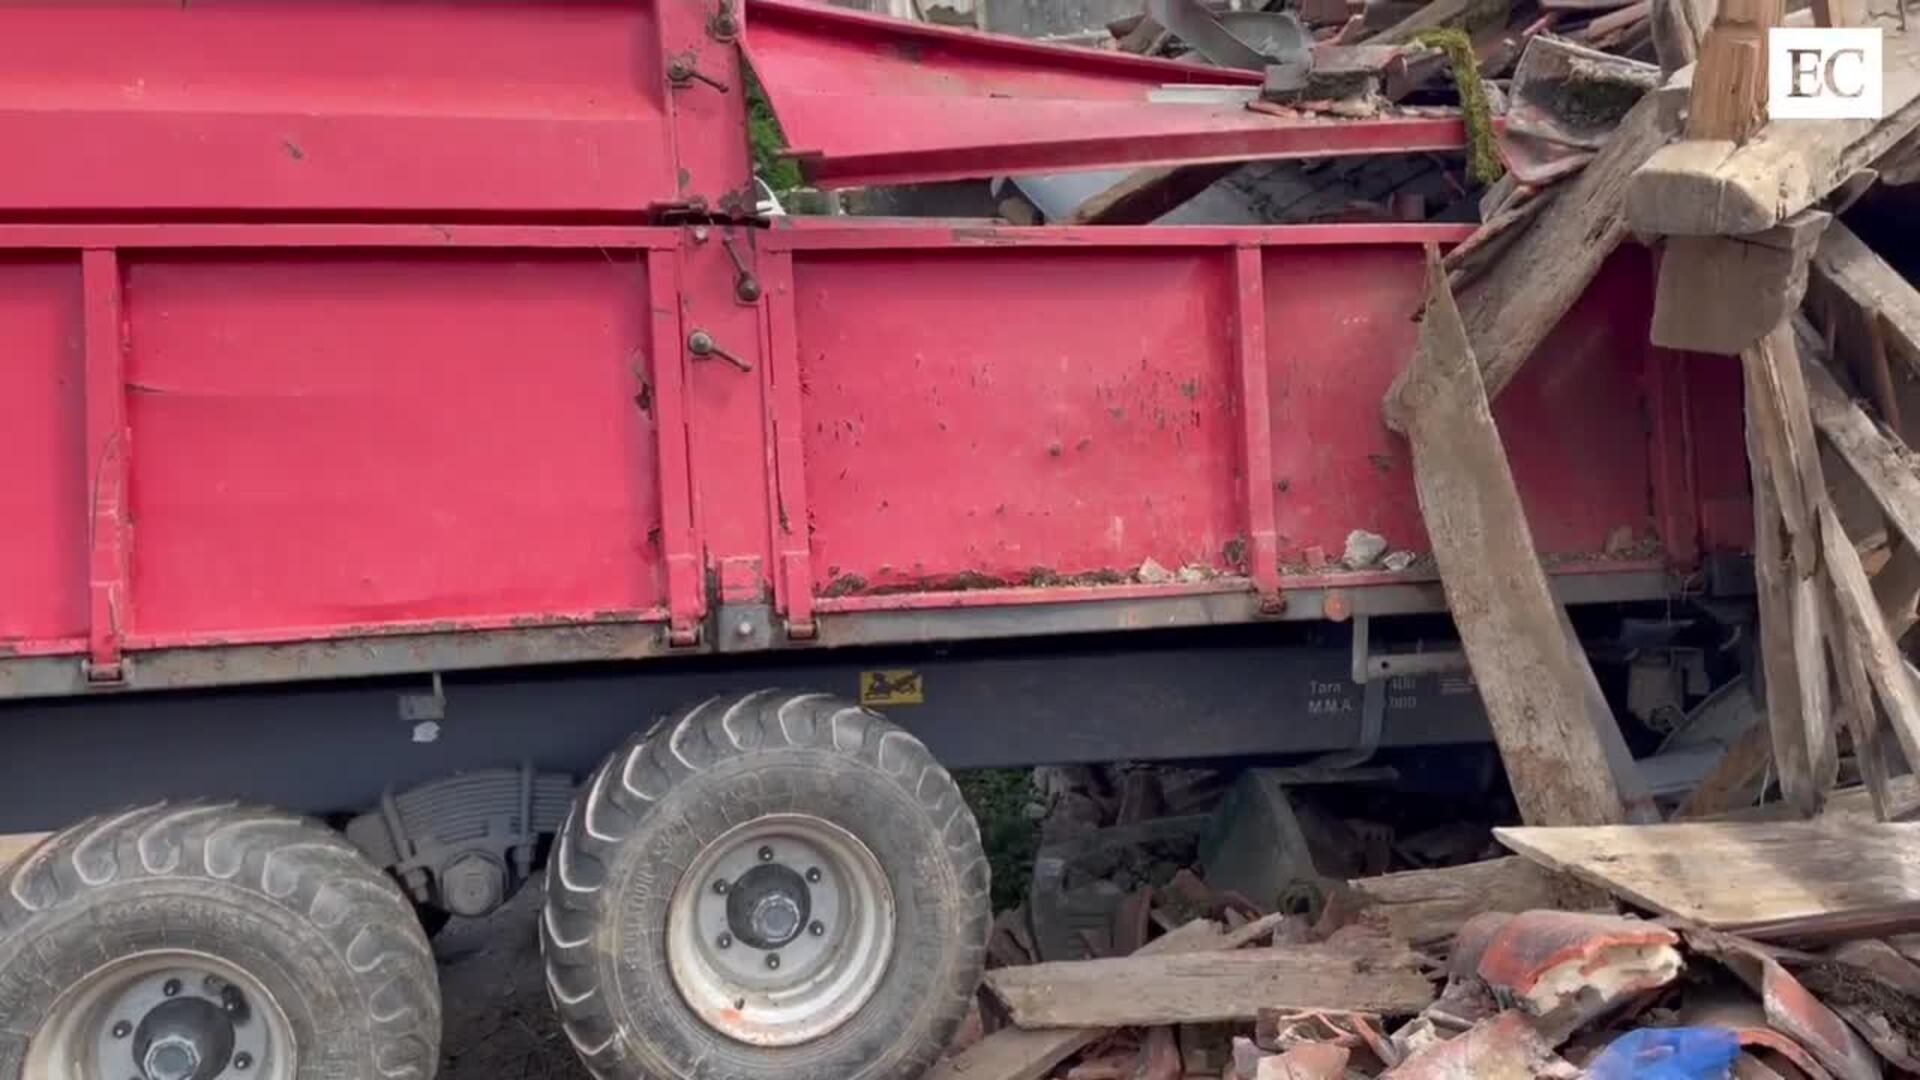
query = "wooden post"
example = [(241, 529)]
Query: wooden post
[(1730, 86)]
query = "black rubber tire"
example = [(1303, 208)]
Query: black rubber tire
[(663, 797), (283, 898)]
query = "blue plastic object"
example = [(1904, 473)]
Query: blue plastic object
[(1668, 1054)]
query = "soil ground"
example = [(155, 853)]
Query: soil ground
[(498, 1025)]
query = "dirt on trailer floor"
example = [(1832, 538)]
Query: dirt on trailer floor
[(499, 1025)]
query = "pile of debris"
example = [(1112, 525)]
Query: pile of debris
[(1759, 949)]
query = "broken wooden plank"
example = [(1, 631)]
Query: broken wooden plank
[(1361, 976), (1758, 878), (1678, 26), (1705, 187), (1529, 680), (1019, 1054), (1774, 589), (1510, 309), (1890, 470), (1736, 775), (1887, 668), (1789, 495), (1426, 907)]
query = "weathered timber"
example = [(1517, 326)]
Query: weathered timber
[(1019, 1054), (1427, 907), (1707, 187), (1512, 307), (1530, 681), (1766, 271), (1730, 84), (1367, 976), (1752, 877)]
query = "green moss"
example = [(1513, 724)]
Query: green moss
[(763, 132), (1483, 158), (998, 799)]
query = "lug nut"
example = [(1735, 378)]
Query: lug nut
[(773, 961), (766, 854), (720, 887), (172, 989), (813, 876), (725, 941), (243, 1061), (817, 928), (122, 1029)]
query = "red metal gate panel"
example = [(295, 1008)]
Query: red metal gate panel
[(1018, 416), (43, 501), (248, 434), (369, 438)]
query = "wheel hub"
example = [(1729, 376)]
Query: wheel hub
[(781, 930), (186, 1038), (166, 1015), (768, 906)]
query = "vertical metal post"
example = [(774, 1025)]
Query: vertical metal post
[(1250, 354), (686, 600), (108, 449), (793, 549)]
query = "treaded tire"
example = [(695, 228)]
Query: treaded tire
[(283, 898), (654, 805)]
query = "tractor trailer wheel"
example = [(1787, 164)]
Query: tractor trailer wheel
[(768, 887), (195, 941)]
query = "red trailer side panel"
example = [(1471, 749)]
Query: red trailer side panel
[(43, 501), (1007, 420), (338, 441)]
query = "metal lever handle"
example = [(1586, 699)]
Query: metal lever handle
[(701, 345), (682, 71)]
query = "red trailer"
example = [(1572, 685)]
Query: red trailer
[(405, 407)]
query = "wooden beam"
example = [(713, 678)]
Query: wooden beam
[(1379, 976), (1889, 469), (1730, 85), (1849, 277), (1892, 678), (1529, 679), (1512, 307), (1018, 1054), (1678, 26), (1767, 271), (1774, 589), (1707, 187)]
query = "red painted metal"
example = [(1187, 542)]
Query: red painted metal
[(355, 393), (224, 106), (109, 445), (867, 100)]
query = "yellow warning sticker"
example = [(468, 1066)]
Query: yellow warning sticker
[(896, 687)]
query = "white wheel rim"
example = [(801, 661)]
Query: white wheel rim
[(124, 1019), (729, 949)]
